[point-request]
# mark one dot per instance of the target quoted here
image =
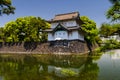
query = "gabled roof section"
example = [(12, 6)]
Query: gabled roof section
[(60, 27), (66, 16)]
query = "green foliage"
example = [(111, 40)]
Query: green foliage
[(110, 44), (113, 1), (90, 70), (89, 27), (1, 34), (98, 51), (6, 7), (68, 72), (98, 40), (113, 12), (107, 29), (26, 29)]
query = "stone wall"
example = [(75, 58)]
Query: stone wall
[(61, 47)]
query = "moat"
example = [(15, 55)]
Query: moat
[(60, 67)]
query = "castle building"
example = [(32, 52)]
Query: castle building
[(65, 27)]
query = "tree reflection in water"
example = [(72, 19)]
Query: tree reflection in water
[(90, 71), (48, 67)]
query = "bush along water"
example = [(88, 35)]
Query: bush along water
[(110, 44)]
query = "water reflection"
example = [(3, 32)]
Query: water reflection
[(90, 70), (109, 68), (115, 54), (48, 67)]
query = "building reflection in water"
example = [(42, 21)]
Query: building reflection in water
[(48, 67)]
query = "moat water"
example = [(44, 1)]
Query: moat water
[(60, 67)]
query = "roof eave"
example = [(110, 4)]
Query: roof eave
[(53, 21)]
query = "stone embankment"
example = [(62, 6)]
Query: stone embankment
[(56, 47)]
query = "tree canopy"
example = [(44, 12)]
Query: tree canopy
[(6, 7), (114, 1), (25, 29), (107, 29), (89, 27), (113, 12), (1, 34)]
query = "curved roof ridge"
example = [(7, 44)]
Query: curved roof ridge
[(68, 13)]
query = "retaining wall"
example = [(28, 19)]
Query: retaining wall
[(62, 47)]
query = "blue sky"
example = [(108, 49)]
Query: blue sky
[(46, 9)]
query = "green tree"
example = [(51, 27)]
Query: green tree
[(26, 29), (10, 32), (113, 1), (113, 12), (89, 27), (1, 34), (117, 27), (6, 7), (107, 29)]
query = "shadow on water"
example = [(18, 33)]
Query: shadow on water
[(48, 67)]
